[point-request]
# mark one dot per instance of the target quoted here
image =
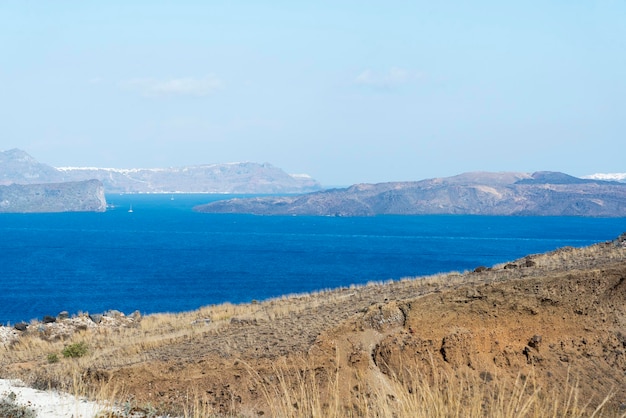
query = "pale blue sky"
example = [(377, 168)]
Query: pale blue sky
[(346, 91)]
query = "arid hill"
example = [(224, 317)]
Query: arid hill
[(481, 193), (74, 196), (541, 336), (17, 166)]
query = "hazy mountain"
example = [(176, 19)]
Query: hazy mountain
[(541, 193), (621, 177), (16, 166), (81, 196), (213, 178)]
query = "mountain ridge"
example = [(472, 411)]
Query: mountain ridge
[(476, 193), (17, 166)]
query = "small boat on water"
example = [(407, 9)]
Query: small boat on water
[(131, 209)]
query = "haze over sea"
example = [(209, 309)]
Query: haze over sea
[(163, 257)]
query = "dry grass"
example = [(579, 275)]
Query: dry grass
[(300, 387), (311, 393)]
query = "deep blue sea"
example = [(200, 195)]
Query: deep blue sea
[(163, 257)]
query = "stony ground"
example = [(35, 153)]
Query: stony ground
[(554, 317)]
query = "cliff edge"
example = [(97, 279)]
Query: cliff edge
[(79, 196)]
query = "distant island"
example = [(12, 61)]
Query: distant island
[(479, 193), (76, 196), (17, 166)]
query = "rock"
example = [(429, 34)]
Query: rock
[(486, 376), (21, 326), (63, 315), (384, 316), (114, 314), (48, 319), (457, 348), (535, 342), (620, 241), (473, 293), (238, 321), (8, 335), (532, 357), (203, 321), (96, 318)]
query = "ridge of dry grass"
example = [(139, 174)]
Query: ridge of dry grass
[(268, 332)]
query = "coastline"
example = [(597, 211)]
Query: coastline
[(235, 352)]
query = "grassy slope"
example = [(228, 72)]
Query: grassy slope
[(545, 336)]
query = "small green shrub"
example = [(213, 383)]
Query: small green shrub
[(75, 350), (53, 358)]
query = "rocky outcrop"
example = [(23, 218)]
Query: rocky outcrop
[(82, 196), (538, 194), (63, 327)]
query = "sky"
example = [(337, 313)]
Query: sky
[(345, 91)]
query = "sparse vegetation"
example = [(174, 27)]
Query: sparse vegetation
[(543, 338), (74, 350), (425, 396), (10, 409)]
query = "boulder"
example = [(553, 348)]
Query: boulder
[(21, 326), (96, 318), (48, 319), (113, 313)]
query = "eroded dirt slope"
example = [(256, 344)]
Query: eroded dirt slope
[(556, 317), (550, 319)]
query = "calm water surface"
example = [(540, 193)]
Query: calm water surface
[(165, 257)]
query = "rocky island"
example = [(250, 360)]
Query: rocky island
[(478, 193), (80, 196)]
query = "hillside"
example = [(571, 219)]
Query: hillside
[(77, 196), (537, 194), (16, 166), (541, 336), (210, 178)]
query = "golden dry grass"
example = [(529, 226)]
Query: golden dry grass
[(291, 383)]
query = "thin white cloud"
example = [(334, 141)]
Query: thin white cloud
[(393, 77), (197, 87)]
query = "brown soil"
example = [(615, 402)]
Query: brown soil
[(554, 318)]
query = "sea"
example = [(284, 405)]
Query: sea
[(164, 257)]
